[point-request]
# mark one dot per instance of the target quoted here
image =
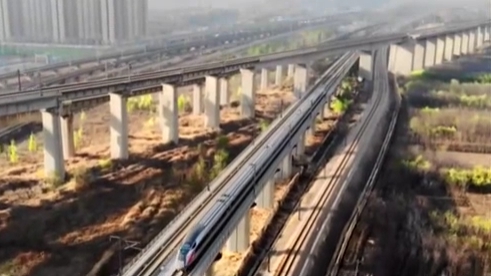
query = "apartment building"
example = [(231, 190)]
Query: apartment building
[(73, 21)]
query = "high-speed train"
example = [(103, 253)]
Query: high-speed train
[(189, 249), (224, 210)]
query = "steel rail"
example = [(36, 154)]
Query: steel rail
[(173, 52), (215, 187), (197, 39), (216, 65), (335, 265), (222, 180), (252, 178), (129, 78), (175, 72), (262, 139), (48, 81), (286, 266)]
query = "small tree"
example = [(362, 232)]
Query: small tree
[(182, 102), (13, 157), (83, 117), (220, 160), (263, 125), (32, 146), (222, 142), (77, 137)]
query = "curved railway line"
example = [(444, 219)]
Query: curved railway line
[(287, 265), (214, 192), (349, 257)]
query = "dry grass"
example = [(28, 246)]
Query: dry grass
[(65, 231), (416, 223)]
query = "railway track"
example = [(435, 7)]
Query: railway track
[(202, 202), (120, 68), (119, 65), (288, 265), (348, 256), (296, 188)]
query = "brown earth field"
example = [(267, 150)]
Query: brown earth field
[(66, 230), (418, 222), (397, 234)]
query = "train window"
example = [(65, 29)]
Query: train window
[(183, 251), (194, 234)]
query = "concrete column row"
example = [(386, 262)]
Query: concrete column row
[(487, 33), (449, 44), (418, 55), (365, 66), (59, 136), (239, 240), (300, 80), (264, 78), (278, 75)]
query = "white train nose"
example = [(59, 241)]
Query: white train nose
[(180, 265)]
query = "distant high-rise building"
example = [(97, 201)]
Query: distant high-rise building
[(73, 21)]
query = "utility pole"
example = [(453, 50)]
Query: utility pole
[(124, 244)]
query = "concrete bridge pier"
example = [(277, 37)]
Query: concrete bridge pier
[(287, 167), (401, 59), (418, 56), (265, 198), (300, 80), (168, 114), (440, 49), (457, 46), (197, 99), (312, 129), (212, 101), (278, 75), (54, 165), (291, 70), (301, 145), (487, 33), (210, 271), (365, 68), (118, 126), (224, 93), (326, 111), (472, 41), (430, 52), (67, 136), (239, 239), (248, 97), (448, 53), (264, 78), (464, 46), (480, 37)]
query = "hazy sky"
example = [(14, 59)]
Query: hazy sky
[(173, 4)]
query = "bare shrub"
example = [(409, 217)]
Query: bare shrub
[(457, 125)]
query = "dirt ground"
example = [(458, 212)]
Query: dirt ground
[(230, 262), (66, 230), (396, 235), (415, 221)]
